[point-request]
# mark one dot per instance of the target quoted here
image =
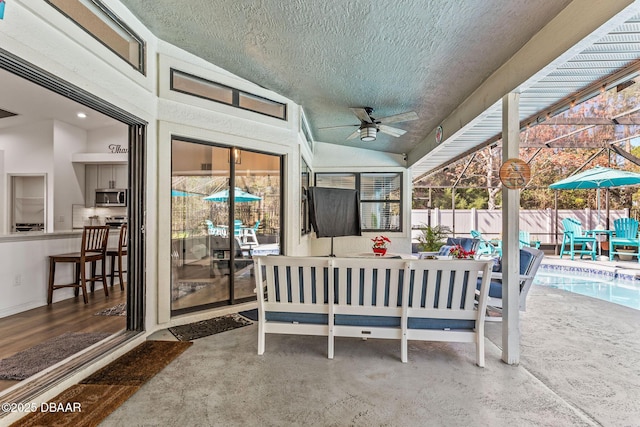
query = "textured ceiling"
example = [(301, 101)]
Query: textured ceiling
[(425, 56)]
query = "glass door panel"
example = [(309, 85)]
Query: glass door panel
[(200, 242), (225, 206), (256, 214)]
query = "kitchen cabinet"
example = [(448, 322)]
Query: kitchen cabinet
[(103, 176), (112, 176)]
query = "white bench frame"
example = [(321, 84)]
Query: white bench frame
[(295, 287)]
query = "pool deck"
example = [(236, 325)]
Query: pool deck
[(578, 367)]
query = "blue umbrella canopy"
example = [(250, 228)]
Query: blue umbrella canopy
[(598, 177), (180, 193), (239, 196)]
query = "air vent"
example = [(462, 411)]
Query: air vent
[(4, 114), (205, 166)]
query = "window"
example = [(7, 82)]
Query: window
[(305, 183), (94, 17), (380, 197), (202, 88)]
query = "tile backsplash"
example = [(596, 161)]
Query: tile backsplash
[(81, 215)]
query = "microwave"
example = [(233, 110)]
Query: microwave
[(111, 197)]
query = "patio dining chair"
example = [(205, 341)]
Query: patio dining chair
[(626, 234), (573, 234)]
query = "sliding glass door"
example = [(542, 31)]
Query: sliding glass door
[(225, 207)]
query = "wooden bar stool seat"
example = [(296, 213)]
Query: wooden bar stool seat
[(120, 252), (93, 249)]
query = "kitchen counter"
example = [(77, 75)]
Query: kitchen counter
[(38, 235)]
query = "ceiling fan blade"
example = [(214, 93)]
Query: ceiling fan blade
[(362, 114), (403, 117), (391, 130), (355, 134), (338, 127)]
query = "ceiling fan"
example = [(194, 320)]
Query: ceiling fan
[(369, 126)]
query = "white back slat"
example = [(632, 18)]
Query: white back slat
[(367, 290), (431, 288), (443, 296), (342, 286), (418, 278), (470, 297), (458, 284), (271, 288), (394, 283), (319, 274)]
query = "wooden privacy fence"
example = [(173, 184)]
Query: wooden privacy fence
[(543, 224)]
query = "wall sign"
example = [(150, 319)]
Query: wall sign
[(515, 174), (439, 134), (117, 149)]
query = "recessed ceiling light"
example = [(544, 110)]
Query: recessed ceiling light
[(82, 115)]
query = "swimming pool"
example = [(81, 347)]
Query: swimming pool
[(619, 291)]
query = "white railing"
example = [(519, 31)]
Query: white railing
[(540, 223)]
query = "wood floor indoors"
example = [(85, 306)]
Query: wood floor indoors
[(24, 330)]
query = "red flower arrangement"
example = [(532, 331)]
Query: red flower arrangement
[(380, 245), (380, 242), (458, 252)]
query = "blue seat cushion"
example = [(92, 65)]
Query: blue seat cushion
[(495, 288), (306, 318), (467, 243), (373, 321), (441, 324)]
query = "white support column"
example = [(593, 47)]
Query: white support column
[(510, 236)]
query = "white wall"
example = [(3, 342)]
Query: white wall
[(100, 140), (68, 178)]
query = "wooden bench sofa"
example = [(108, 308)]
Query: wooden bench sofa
[(369, 297)]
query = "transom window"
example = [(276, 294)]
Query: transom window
[(207, 89), (96, 19), (380, 197)]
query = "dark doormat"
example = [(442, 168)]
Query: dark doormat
[(28, 362), (91, 401), (196, 330), (139, 365), (250, 314)]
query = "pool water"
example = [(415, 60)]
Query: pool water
[(618, 291)]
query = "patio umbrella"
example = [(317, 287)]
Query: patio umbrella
[(180, 193), (239, 196), (598, 177)]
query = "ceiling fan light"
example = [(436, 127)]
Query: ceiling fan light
[(368, 133)]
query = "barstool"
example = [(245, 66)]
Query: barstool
[(120, 251), (93, 249)]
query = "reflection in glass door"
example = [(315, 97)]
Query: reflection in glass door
[(225, 207)]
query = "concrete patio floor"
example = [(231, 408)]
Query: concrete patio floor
[(579, 367)]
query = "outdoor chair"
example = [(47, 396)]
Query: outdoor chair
[(530, 260), (525, 240), (574, 235), (485, 247), (626, 234), (249, 237)]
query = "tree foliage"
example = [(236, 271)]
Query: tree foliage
[(554, 152)]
